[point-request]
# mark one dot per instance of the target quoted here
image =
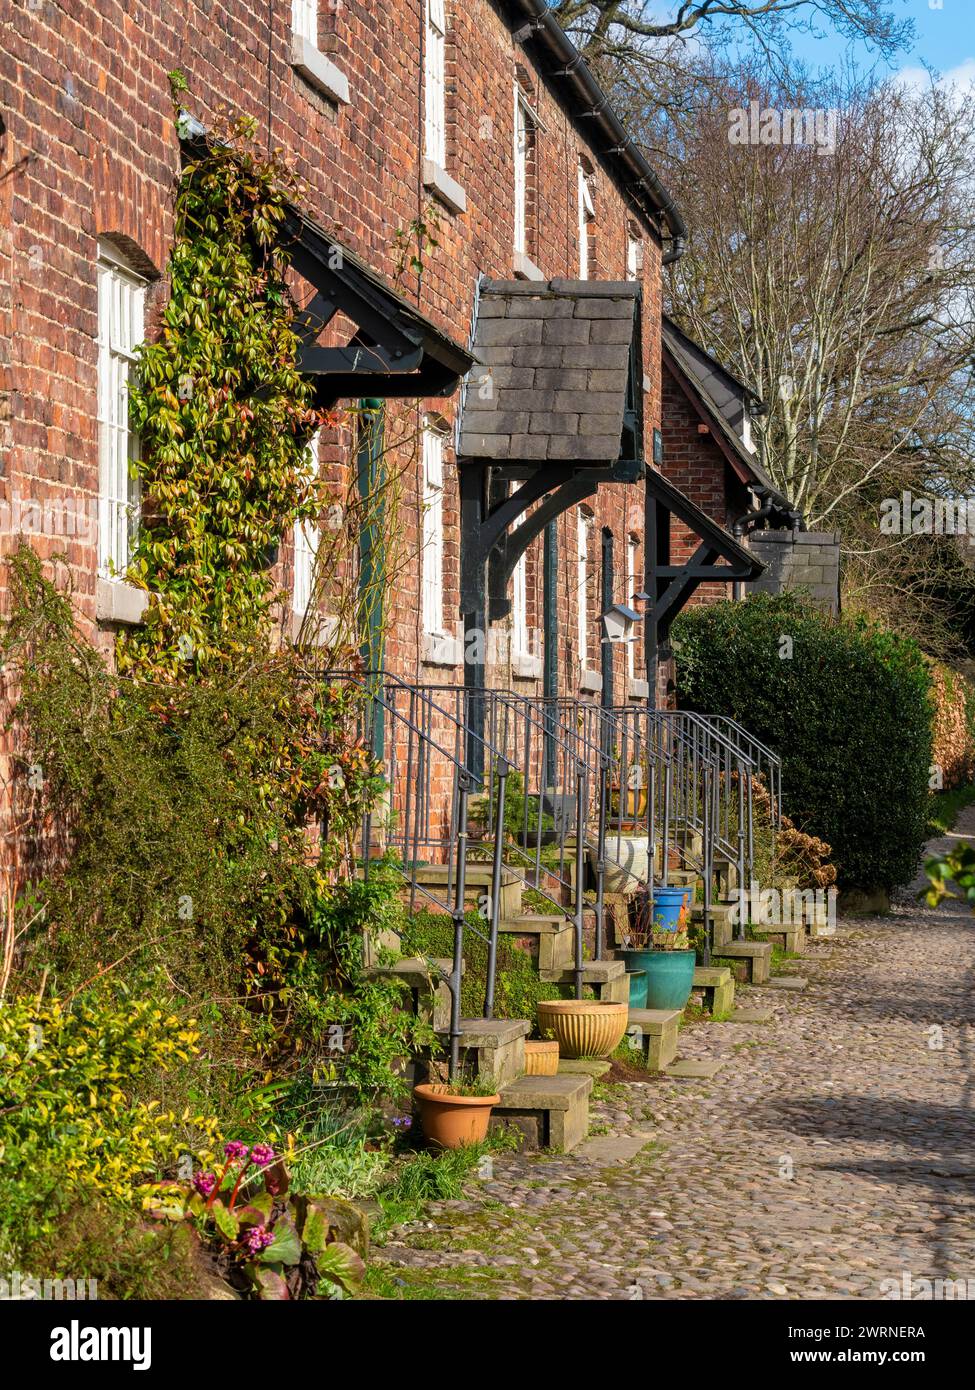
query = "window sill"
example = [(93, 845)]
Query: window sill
[(318, 70), (321, 636), (526, 269), (440, 649), (441, 185), (638, 690), (591, 681), (525, 667), (119, 603)]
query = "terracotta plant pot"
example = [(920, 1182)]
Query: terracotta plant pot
[(583, 1027), (452, 1122), (541, 1059)]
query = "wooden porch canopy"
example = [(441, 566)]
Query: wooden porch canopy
[(670, 586), (394, 352)]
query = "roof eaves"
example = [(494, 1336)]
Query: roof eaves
[(563, 61)]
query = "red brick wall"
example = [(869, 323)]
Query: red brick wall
[(694, 463), (90, 151)]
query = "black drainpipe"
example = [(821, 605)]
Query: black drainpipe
[(550, 639), (606, 648)]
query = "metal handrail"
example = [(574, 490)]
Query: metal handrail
[(413, 715)]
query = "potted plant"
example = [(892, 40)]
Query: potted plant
[(583, 1027), (454, 1114), (663, 952), (541, 1057)]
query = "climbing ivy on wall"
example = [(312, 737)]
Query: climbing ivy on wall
[(223, 415)]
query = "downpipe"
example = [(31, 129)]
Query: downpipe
[(601, 856), (580, 865), (456, 973), (495, 905)]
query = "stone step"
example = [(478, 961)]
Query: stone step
[(683, 878), (477, 873), (757, 956), (550, 1112), (555, 936), (718, 985), (477, 882), (606, 978), (655, 1032), (533, 923), (789, 938), (495, 1046), (431, 996), (722, 918), (695, 1068)]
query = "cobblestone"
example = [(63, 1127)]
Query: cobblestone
[(832, 1152)]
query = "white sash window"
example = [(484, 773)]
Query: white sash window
[(121, 304), (436, 83)]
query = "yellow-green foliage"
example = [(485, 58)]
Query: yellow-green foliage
[(69, 1076)]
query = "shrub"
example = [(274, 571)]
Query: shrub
[(954, 746), (849, 712), (70, 1122)]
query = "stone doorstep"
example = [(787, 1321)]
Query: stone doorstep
[(757, 955), (789, 938), (432, 993), (583, 1066), (550, 1111), (534, 924), (606, 978), (683, 878), (498, 1045), (657, 1034), (719, 983), (480, 874), (608, 1148), (784, 982), (693, 1067), (722, 925), (594, 972), (710, 976), (752, 1016)]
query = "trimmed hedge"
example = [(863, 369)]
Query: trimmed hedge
[(850, 712)]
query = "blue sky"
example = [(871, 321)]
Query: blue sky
[(945, 39)]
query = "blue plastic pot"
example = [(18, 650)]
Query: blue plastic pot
[(667, 905), (670, 977)]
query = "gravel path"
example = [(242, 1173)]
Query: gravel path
[(831, 1152)]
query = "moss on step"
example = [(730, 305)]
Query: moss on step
[(518, 989)]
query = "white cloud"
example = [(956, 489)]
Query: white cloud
[(961, 76)]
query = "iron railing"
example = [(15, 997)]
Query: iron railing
[(591, 783)]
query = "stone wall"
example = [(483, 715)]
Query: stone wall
[(808, 560)]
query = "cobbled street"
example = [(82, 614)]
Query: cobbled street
[(830, 1154)]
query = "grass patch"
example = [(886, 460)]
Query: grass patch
[(945, 807)]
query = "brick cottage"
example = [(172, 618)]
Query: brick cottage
[(583, 419)]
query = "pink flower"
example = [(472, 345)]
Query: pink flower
[(205, 1183), (235, 1149), (262, 1155), (258, 1238)]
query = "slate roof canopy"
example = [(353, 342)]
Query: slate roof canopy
[(554, 373), (726, 401)]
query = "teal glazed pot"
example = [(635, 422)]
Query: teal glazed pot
[(670, 977), (637, 980)]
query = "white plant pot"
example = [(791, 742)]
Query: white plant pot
[(627, 863)]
